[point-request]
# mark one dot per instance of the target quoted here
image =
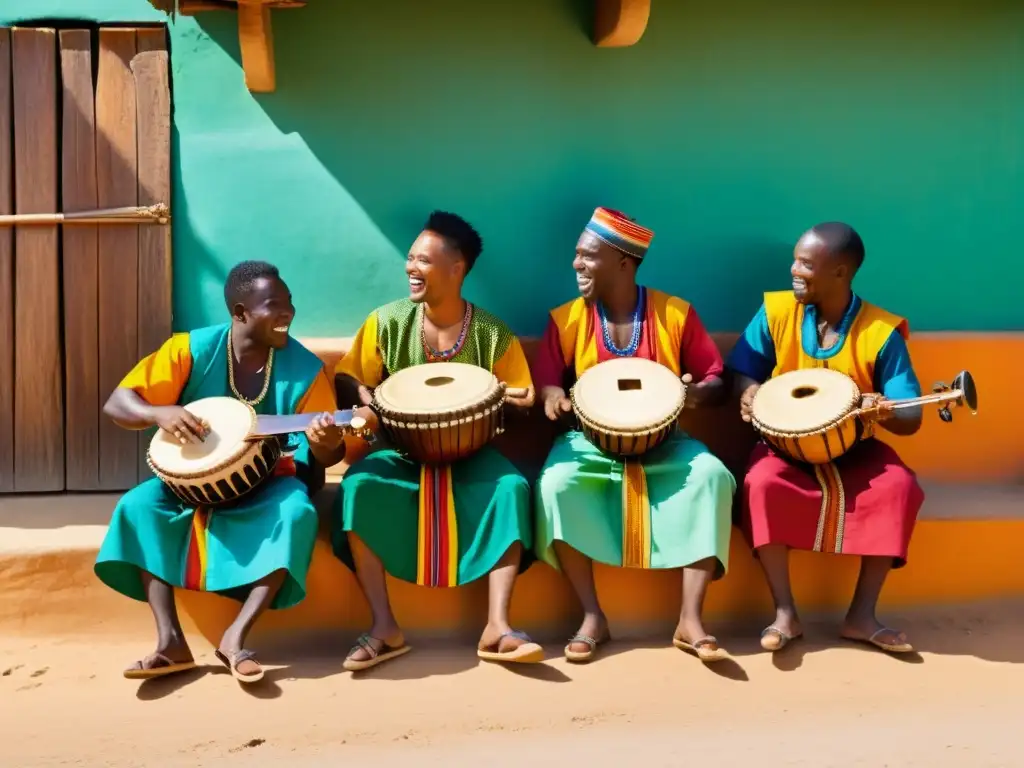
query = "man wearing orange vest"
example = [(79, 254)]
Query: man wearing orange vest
[(864, 503), (672, 508)]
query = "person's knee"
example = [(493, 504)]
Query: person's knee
[(709, 471), (555, 477)]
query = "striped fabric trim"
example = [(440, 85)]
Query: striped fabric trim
[(832, 518), (196, 555), (636, 516), (437, 560)]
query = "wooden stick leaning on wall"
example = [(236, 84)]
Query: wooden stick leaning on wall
[(133, 214)]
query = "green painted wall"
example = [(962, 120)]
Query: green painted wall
[(729, 129)]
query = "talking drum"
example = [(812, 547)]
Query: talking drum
[(226, 466), (810, 415), (627, 406), (438, 413)]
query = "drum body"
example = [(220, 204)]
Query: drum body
[(809, 415), (627, 406), (224, 468), (438, 413)]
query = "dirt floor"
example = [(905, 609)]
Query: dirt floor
[(819, 703)]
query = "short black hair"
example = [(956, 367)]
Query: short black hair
[(458, 234), (841, 240), (243, 276)]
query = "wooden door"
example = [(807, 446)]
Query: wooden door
[(79, 304)]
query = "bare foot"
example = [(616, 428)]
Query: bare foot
[(786, 627), (594, 626)]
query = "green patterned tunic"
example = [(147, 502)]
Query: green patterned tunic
[(435, 526)]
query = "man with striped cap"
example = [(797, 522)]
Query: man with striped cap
[(671, 508)]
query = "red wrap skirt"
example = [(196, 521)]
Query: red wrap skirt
[(864, 503)]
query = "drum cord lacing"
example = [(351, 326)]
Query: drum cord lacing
[(266, 376)]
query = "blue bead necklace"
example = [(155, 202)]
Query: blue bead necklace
[(634, 339)]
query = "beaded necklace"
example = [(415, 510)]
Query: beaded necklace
[(634, 340), (435, 355), (266, 376)]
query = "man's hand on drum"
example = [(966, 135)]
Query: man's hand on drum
[(323, 432), (523, 398), (556, 403), (182, 425), (747, 399)]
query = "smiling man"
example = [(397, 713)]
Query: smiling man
[(866, 502), (257, 550), (384, 511), (671, 509)]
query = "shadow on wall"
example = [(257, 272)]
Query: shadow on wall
[(728, 133)]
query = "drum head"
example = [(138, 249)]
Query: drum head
[(230, 421), (804, 401), (436, 388), (629, 394)]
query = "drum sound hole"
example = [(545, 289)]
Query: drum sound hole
[(804, 392), (438, 381), (628, 384)]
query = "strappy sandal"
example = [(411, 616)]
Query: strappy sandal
[(782, 639), (581, 657), (377, 655), (706, 649), (164, 667), (527, 653), (235, 659), (888, 647)]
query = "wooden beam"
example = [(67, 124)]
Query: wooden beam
[(620, 23), (256, 38)]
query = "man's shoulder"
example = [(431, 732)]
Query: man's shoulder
[(490, 320), (665, 299), (302, 357), (880, 313), (207, 334), (394, 310), (565, 310)]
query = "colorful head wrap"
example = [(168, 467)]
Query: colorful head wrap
[(620, 232)]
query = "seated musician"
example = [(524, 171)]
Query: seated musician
[(386, 518), (258, 550), (671, 509), (866, 502)]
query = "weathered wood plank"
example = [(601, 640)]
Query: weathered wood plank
[(117, 185), (38, 396), (80, 267), (6, 273), (152, 89)]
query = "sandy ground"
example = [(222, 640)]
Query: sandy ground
[(819, 703)]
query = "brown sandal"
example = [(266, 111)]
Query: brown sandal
[(706, 649), (236, 659), (377, 655), (164, 667)]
